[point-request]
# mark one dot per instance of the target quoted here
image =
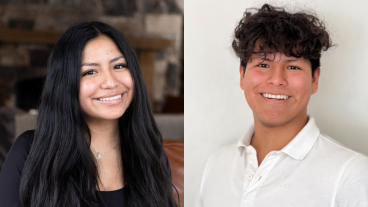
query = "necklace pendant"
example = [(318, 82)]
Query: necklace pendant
[(98, 156)]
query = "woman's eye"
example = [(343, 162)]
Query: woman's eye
[(90, 72), (263, 66), (293, 67), (120, 66)]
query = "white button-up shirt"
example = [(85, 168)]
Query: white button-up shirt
[(311, 171)]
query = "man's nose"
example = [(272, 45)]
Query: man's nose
[(277, 76)]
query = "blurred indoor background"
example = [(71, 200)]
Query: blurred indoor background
[(30, 28)]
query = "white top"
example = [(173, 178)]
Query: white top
[(311, 171)]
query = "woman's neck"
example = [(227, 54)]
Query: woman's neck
[(104, 134)]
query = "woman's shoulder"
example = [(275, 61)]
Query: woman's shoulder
[(23, 142), (20, 149), (11, 171)]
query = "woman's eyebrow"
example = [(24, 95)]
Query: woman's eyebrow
[(116, 59), (96, 64), (89, 64)]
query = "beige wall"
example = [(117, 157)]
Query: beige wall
[(216, 112)]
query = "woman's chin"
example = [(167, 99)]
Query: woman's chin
[(104, 117), (111, 117)]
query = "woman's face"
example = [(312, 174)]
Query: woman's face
[(106, 85)]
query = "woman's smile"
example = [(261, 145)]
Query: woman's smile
[(106, 86), (112, 100)]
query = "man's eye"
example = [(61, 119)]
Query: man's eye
[(293, 67), (121, 66), (90, 72), (263, 66)]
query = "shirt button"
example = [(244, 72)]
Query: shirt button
[(249, 152), (249, 176)]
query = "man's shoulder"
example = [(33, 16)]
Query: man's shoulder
[(220, 166), (352, 188), (224, 156), (338, 155), (226, 151), (336, 149)]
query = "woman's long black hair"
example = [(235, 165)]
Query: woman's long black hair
[(60, 169)]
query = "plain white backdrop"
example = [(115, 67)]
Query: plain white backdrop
[(216, 112)]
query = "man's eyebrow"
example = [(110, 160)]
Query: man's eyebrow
[(263, 58), (268, 59), (96, 64), (292, 60)]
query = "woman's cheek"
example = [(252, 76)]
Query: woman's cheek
[(86, 92), (87, 88), (127, 80)]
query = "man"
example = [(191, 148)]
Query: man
[(282, 160)]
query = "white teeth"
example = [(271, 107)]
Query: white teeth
[(267, 95), (110, 99)]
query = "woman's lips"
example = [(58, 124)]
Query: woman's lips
[(111, 100)]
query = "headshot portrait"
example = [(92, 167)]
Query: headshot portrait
[(275, 94), (98, 121)]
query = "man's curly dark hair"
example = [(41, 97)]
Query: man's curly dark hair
[(272, 29)]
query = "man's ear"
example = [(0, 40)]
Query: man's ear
[(315, 79), (241, 72)]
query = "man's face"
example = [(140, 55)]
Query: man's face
[(278, 88)]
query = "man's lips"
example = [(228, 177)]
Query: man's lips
[(275, 96)]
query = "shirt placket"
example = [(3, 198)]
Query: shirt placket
[(249, 175), (254, 175)]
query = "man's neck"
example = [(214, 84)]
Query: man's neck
[(274, 138)]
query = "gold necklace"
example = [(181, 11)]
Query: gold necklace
[(98, 154)]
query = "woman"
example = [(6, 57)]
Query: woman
[(96, 142)]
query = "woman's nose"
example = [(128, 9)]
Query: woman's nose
[(109, 80)]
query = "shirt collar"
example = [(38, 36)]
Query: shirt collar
[(244, 141), (297, 148)]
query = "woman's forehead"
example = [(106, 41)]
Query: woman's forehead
[(99, 48)]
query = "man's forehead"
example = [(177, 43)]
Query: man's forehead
[(275, 56), (264, 51)]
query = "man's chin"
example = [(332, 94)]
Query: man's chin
[(279, 120), (272, 124), (272, 121)]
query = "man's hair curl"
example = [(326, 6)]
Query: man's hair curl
[(272, 29)]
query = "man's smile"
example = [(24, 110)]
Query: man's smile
[(275, 96)]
